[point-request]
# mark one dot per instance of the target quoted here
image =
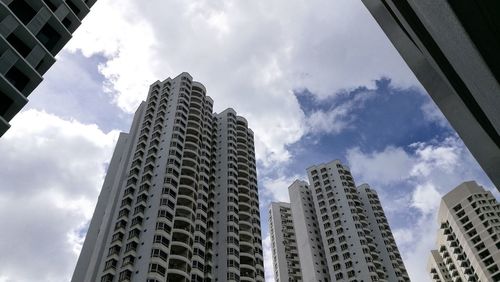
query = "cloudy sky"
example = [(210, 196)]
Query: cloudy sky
[(317, 80)]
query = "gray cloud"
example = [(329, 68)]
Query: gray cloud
[(50, 174)]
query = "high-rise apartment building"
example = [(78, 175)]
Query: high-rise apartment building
[(341, 231), (32, 32), (180, 199), (309, 241), (284, 244), (452, 48), (469, 236)]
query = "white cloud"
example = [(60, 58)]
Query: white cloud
[(268, 258), (415, 250), (115, 30), (443, 157), (388, 166), (249, 54), (426, 198), (50, 174), (339, 117), (276, 188)]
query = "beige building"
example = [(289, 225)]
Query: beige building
[(468, 237)]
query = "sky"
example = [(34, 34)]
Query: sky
[(317, 80)]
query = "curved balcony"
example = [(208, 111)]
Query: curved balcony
[(186, 201), (242, 146), (246, 247), (184, 212), (196, 111), (187, 190), (244, 189), (192, 143), (197, 96), (242, 158), (180, 251), (178, 275), (245, 226), (194, 124), (181, 224), (187, 171), (246, 237), (188, 181), (244, 198), (190, 155), (245, 207), (247, 269), (241, 125)]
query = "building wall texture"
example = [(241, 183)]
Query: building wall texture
[(284, 244), (311, 254), (469, 236), (32, 32), (452, 48), (180, 200)]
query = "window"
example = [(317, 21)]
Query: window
[(17, 78), (110, 264), (49, 37), (125, 275), (156, 268), (22, 10), (18, 44), (5, 103), (161, 240)]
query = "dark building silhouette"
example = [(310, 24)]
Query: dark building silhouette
[(32, 32), (453, 48)]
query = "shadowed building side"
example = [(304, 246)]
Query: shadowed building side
[(452, 48)]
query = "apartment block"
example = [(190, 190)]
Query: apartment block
[(31, 34), (341, 230), (180, 199), (311, 254), (468, 240), (284, 244)]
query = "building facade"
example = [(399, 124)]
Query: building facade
[(341, 231), (180, 199), (31, 34), (452, 48), (284, 244), (469, 236), (311, 254)]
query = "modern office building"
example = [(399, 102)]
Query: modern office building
[(469, 236), (452, 48), (284, 245), (32, 32), (180, 199), (341, 231)]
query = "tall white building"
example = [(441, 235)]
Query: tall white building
[(32, 32), (341, 231), (469, 236), (180, 199), (284, 244), (311, 254)]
